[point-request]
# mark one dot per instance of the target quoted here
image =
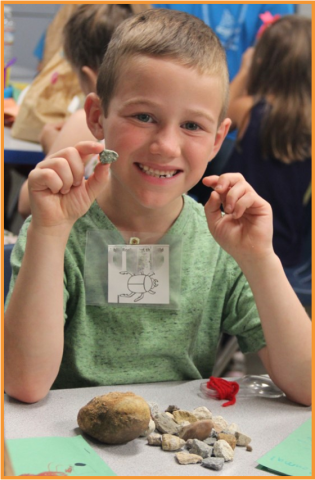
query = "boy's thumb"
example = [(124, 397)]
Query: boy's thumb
[(97, 181)]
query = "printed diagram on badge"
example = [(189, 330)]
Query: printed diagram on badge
[(138, 274)]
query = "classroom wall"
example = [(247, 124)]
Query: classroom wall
[(32, 20)]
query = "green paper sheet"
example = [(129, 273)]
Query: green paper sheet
[(69, 456), (293, 456)]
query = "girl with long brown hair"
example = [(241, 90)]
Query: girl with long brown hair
[(270, 105)]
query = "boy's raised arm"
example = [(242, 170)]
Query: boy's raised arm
[(34, 320), (245, 232)]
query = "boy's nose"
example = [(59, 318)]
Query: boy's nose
[(166, 142)]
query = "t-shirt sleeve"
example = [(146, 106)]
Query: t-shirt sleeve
[(240, 316), (16, 262)]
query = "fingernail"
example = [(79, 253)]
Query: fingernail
[(228, 209)]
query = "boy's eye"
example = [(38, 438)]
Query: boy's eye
[(191, 126), (144, 117)]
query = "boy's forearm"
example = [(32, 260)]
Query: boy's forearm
[(34, 319), (286, 326)]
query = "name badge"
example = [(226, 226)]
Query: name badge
[(138, 274)]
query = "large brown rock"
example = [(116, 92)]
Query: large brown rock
[(115, 418)]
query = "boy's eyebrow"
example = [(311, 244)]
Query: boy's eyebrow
[(138, 101)]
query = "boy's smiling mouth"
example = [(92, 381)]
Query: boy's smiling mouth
[(152, 172)]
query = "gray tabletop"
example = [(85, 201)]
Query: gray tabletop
[(266, 421)]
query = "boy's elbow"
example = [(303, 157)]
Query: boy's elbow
[(26, 391)]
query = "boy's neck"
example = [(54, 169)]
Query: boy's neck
[(147, 224)]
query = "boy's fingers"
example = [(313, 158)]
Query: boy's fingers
[(213, 209), (86, 149), (97, 181), (43, 179)]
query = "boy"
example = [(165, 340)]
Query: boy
[(153, 311)]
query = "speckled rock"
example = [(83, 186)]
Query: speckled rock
[(185, 458), (115, 418), (213, 463), (181, 416), (200, 430), (222, 449), (171, 443)]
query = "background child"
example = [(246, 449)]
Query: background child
[(161, 104), (271, 108), (85, 39)]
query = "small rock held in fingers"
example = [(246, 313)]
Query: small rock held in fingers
[(108, 156)]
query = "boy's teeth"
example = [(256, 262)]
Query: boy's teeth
[(157, 173)]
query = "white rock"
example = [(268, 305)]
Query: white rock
[(202, 413), (242, 440), (150, 429), (219, 423), (222, 449)]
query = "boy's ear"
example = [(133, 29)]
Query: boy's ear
[(220, 135), (91, 78), (94, 115)]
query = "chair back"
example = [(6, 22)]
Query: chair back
[(300, 276)]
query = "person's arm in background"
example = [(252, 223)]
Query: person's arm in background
[(74, 130), (240, 102)]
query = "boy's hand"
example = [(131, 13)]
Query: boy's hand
[(59, 193), (245, 231), (49, 134)]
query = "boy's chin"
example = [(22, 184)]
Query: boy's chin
[(160, 201)]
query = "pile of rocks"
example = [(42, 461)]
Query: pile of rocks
[(196, 436)]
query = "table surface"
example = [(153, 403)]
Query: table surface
[(19, 151), (266, 421)]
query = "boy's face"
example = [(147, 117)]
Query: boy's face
[(163, 122)]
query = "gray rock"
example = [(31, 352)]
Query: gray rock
[(200, 448), (210, 441), (154, 408), (213, 463), (165, 424)]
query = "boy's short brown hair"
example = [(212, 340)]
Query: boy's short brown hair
[(168, 34)]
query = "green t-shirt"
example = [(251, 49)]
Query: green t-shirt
[(106, 344)]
